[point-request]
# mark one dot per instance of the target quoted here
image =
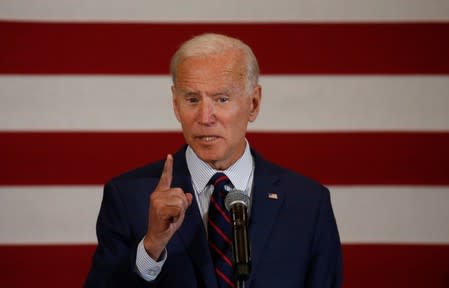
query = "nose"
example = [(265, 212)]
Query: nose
[(206, 113)]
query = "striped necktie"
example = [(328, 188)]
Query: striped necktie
[(220, 231)]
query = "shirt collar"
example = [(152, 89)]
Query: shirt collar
[(239, 173)]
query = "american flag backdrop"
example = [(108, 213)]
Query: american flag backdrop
[(355, 95)]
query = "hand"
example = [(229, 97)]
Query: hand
[(166, 212)]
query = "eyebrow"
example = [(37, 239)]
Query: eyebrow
[(187, 93), (190, 93), (223, 92)]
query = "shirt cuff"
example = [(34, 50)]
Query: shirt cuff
[(147, 267)]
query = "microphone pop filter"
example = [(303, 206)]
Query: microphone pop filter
[(236, 196)]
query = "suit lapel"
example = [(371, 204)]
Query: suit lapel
[(191, 232), (266, 204)]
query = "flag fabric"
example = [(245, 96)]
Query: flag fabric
[(355, 95)]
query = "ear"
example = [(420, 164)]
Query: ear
[(256, 98), (175, 102)]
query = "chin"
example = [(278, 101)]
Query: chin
[(207, 155)]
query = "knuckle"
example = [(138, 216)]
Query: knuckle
[(156, 199), (179, 202), (154, 195), (178, 190)]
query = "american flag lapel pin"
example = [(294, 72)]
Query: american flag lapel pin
[(273, 196)]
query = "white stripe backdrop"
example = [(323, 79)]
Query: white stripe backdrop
[(381, 214), (289, 103), (230, 10)]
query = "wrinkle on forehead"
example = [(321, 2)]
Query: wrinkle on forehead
[(221, 69)]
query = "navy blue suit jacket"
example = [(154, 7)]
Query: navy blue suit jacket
[(294, 238)]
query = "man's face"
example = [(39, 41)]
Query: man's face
[(213, 106)]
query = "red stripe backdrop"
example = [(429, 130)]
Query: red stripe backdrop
[(111, 48), (367, 266), (333, 158)]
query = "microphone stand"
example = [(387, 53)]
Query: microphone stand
[(236, 203), (241, 249)]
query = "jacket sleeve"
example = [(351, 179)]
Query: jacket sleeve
[(114, 261), (326, 268)]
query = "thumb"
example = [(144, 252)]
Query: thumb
[(189, 198)]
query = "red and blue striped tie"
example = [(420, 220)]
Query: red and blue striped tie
[(220, 231)]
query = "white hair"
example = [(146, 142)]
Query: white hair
[(209, 44)]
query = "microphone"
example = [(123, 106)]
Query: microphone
[(236, 203)]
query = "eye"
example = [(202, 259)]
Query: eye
[(192, 99), (222, 99)]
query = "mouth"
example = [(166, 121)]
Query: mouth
[(207, 138)]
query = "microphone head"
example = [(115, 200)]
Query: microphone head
[(236, 196)]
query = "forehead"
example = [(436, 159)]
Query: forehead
[(223, 69)]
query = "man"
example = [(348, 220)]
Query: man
[(154, 229)]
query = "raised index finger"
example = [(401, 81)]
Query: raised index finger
[(167, 174)]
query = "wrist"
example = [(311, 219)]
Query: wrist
[(153, 248)]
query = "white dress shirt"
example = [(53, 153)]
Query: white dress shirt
[(241, 174)]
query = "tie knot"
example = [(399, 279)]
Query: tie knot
[(219, 179)]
